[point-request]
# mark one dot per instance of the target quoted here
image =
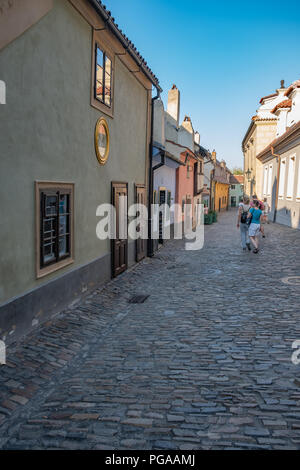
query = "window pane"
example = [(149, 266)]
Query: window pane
[(50, 205), (63, 224), (63, 203), (99, 74), (107, 89), (107, 66), (49, 252), (63, 245)]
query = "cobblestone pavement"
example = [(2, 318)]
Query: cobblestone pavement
[(203, 363)]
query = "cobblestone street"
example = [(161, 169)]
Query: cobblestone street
[(203, 363)]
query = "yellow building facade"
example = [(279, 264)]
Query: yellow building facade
[(221, 196)]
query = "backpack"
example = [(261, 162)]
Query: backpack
[(244, 215)]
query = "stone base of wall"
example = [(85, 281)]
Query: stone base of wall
[(19, 316)]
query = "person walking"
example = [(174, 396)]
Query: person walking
[(242, 222), (255, 218), (261, 206)]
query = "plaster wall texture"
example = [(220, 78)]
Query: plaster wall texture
[(47, 133), (288, 208)]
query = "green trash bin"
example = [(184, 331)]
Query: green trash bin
[(208, 219), (214, 216)]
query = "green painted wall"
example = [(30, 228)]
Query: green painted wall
[(47, 133), (237, 193)]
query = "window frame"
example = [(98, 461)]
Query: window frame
[(52, 188), (282, 178), (107, 51), (290, 185)]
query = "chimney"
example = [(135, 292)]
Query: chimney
[(214, 155), (281, 83), (197, 138), (223, 164), (187, 124), (174, 103)]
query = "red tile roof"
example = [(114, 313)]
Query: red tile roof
[(237, 179), (283, 104), (295, 84)]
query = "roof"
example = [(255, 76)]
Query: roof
[(125, 41), (295, 84), (283, 104), (203, 152), (236, 179), (268, 96), (253, 120), (192, 154), (279, 139)]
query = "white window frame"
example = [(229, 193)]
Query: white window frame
[(281, 186), (270, 179), (298, 184), (291, 177), (266, 169)]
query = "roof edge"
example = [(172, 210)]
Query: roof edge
[(125, 41)]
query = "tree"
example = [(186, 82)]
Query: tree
[(237, 171)]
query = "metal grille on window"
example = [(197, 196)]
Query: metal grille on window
[(55, 227)]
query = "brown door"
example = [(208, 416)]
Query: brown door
[(140, 198), (120, 243)]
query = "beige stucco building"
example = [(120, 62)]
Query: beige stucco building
[(75, 133), (280, 161), (261, 131)]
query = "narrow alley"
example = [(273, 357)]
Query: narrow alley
[(203, 363)]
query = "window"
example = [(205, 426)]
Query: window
[(197, 178), (54, 203), (188, 169), (103, 70), (298, 185), (282, 179), (169, 198), (103, 77), (265, 180), (233, 186), (291, 177), (270, 177)]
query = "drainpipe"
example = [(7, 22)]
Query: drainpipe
[(150, 182), (277, 183)]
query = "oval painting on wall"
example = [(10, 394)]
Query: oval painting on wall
[(102, 140)]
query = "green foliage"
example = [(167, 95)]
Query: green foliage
[(237, 171)]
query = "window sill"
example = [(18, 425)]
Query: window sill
[(102, 107), (41, 272)]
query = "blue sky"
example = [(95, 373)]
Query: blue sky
[(222, 55)]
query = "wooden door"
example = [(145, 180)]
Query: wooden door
[(140, 198), (119, 246)]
